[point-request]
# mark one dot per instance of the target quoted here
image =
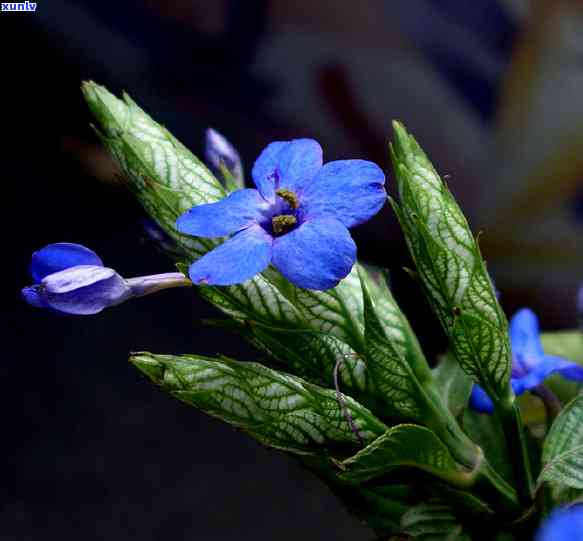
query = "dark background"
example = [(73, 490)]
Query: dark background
[(90, 449)]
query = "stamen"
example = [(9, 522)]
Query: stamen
[(282, 223), (290, 197)]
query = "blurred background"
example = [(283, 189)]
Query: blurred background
[(492, 89)]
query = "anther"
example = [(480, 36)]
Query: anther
[(289, 196)]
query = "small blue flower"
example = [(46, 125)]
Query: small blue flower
[(530, 365), (71, 278), (297, 218), (562, 525)]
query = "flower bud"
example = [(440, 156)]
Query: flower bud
[(224, 160), (79, 290), (70, 278)]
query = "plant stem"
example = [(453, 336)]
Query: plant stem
[(485, 474), (550, 401), (470, 455), (513, 429), (494, 479)]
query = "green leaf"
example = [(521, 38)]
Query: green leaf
[(279, 410), (393, 356), (381, 507), (465, 502), (486, 431), (313, 356), (310, 355), (562, 459), (451, 268), (165, 176), (453, 384), (255, 300), (337, 311), (405, 445), (433, 520), (399, 371)]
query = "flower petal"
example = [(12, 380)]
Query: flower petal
[(286, 164), (265, 167), (352, 191), (480, 401), (545, 368), (527, 348), (236, 260), (237, 211), (316, 255), (83, 290), (59, 256), (562, 525)]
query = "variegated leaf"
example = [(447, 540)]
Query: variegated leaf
[(381, 507), (314, 356), (466, 503), (453, 384), (393, 356), (562, 459), (451, 268), (255, 300), (279, 410), (337, 311), (403, 445), (165, 176), (434, 520)]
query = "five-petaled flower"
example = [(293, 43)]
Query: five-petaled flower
[(564, 524), (530, 365), (71, 278), (297, 218)]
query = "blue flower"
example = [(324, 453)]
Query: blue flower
[(71, 278), (530, 365), (297, 218), (562, 525)]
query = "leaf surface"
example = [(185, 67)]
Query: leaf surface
[(562, 458), (278, 409)]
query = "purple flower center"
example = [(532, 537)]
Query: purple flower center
[(284, 215)]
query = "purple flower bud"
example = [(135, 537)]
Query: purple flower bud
[(223, 159), (79, 290), (65, 283)]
